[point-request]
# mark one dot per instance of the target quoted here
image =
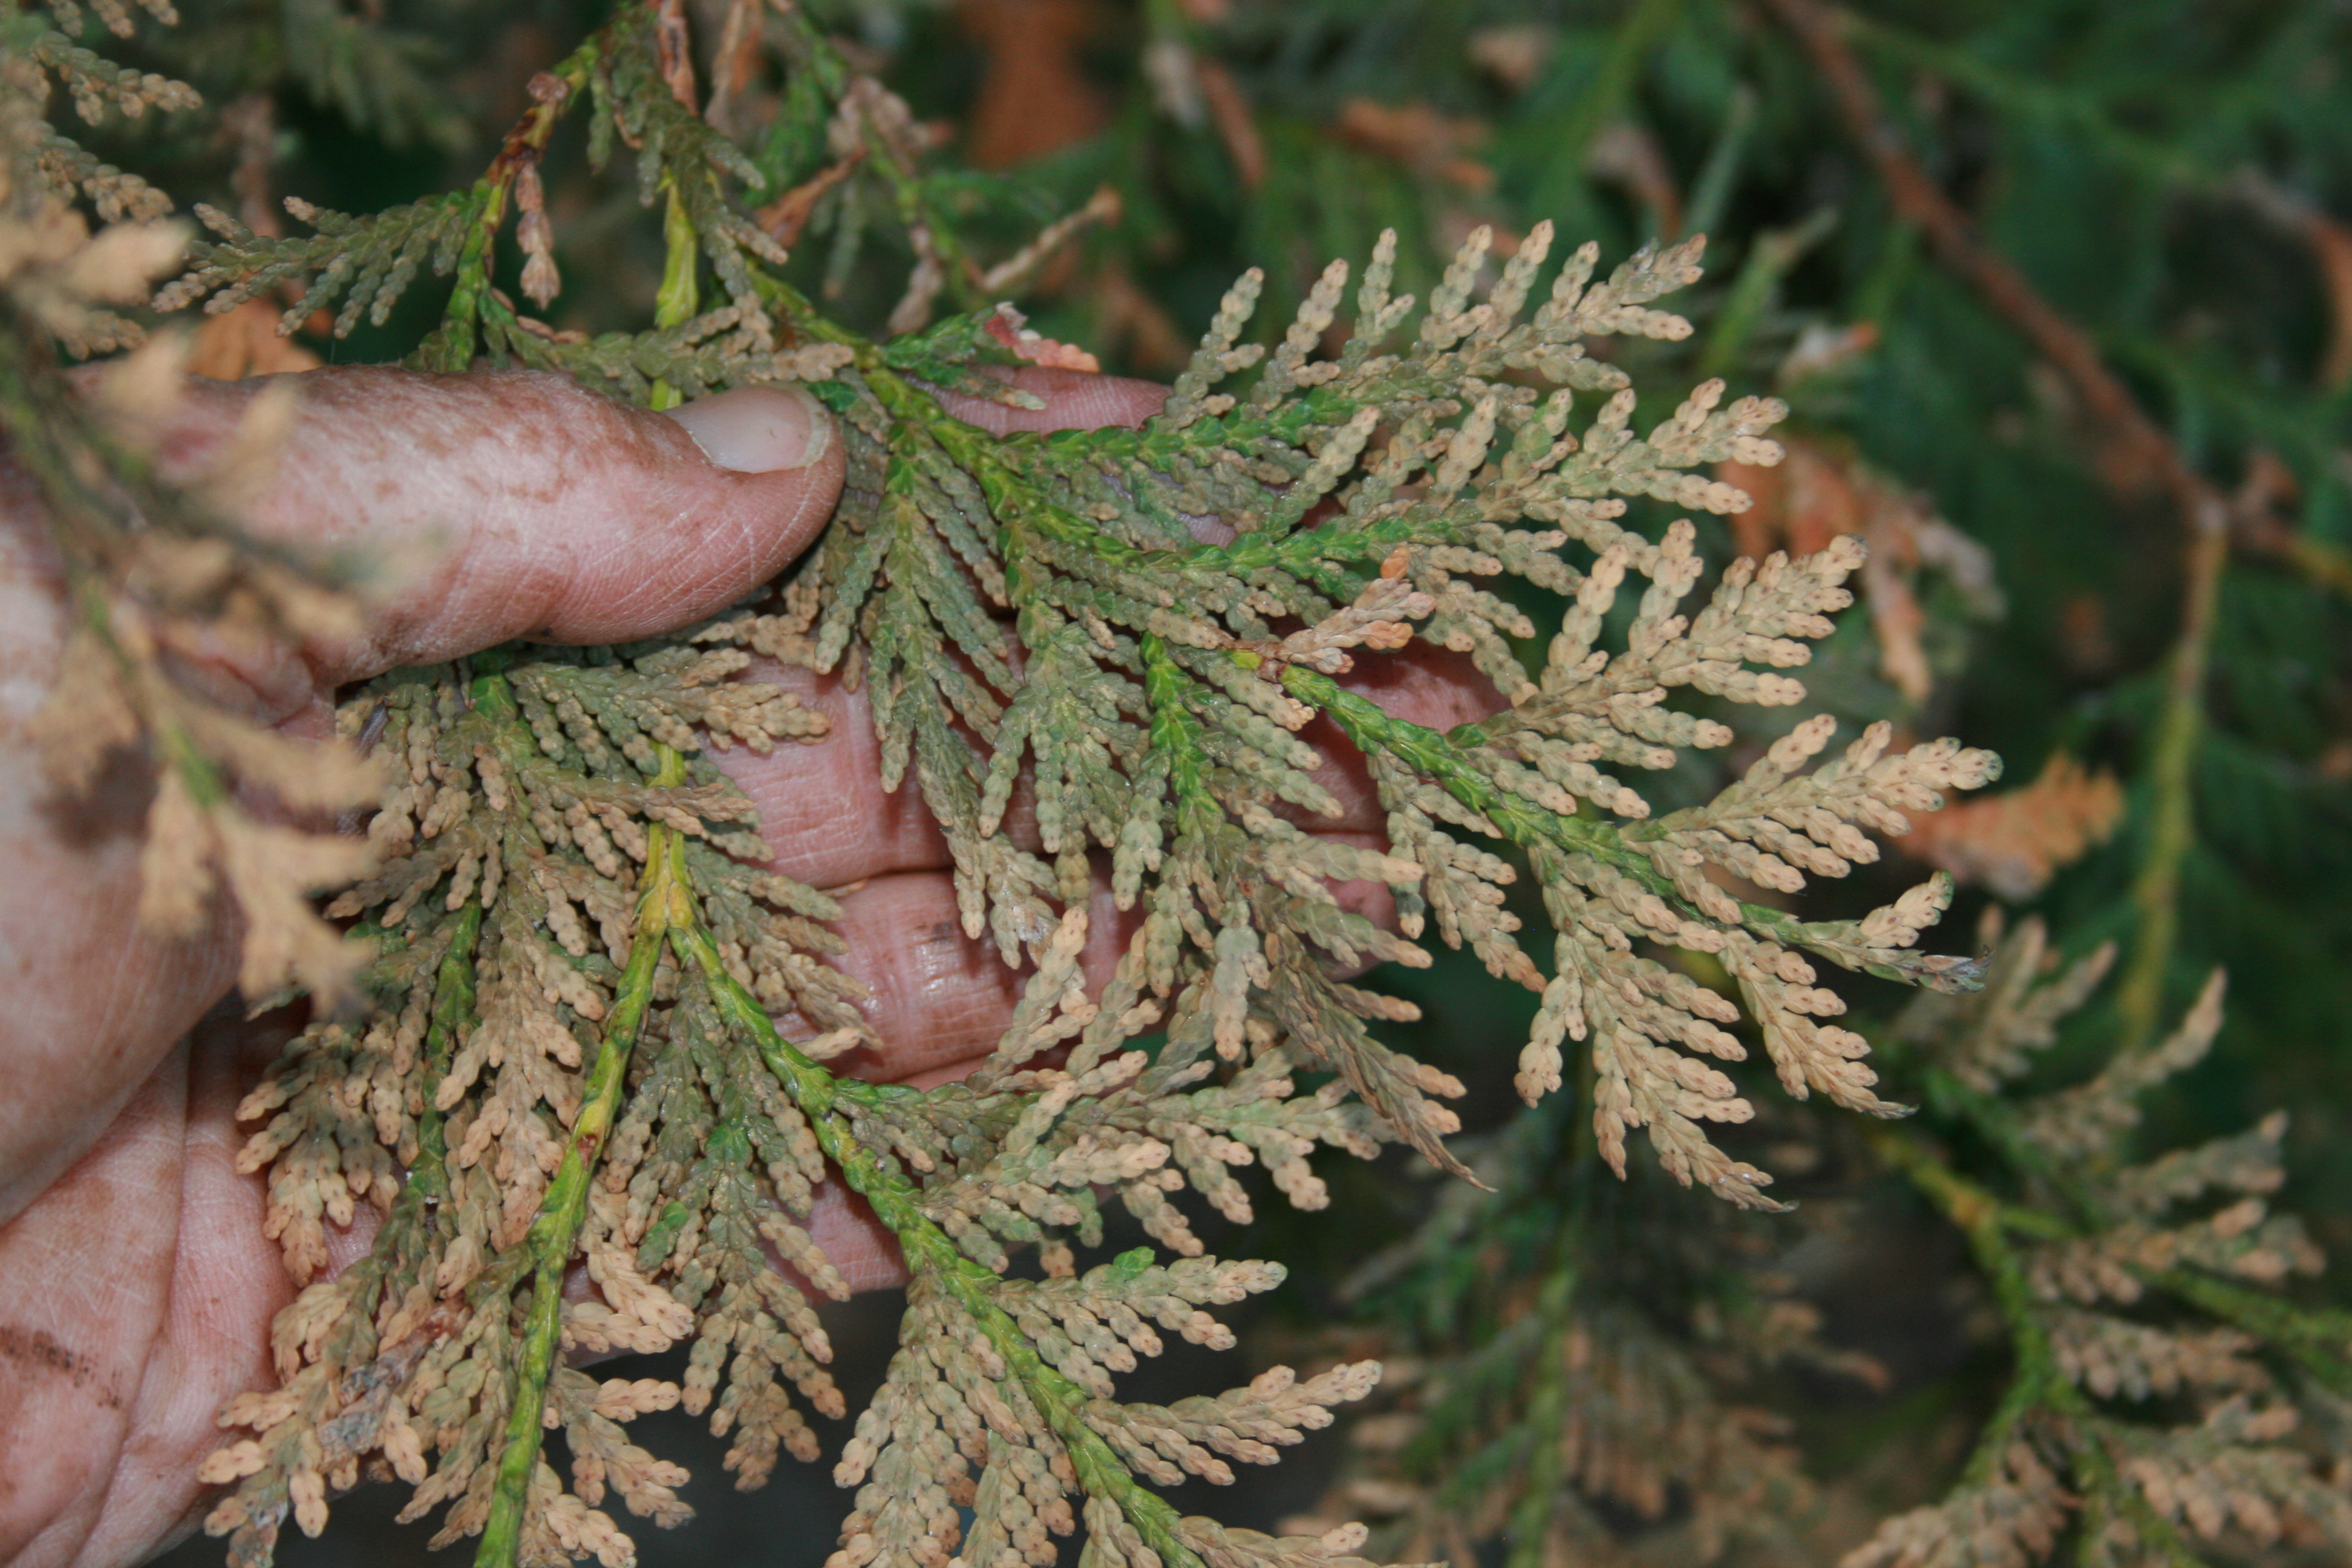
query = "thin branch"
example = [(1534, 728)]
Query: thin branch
[(2144, 445), (1639, 38), (2172, 806), (1373, 731), (555, 1233), (850, 88), (664, 900), (2039, 1385), (1822, 31), (451, 345)]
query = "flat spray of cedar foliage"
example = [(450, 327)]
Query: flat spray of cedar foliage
[(579, 1023)]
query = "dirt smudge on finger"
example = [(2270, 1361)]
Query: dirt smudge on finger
[(37, 1353)]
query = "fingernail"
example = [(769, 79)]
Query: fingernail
[(758, 429)]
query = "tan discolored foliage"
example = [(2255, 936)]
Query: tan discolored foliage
[(574, 987), (246, 341), (1575, 1414), (154, 576), (1585, 1394), (2133, 1292), (540, 812)]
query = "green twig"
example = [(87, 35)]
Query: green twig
[(2172, 793), (1546, 1416), (1175, 730), (2038, 1384), (399, 1254), (2320, 1341), (1999, 1122), (1711, 192), (1775, 251), (681, 290), (453, 1008), (1018, 505), (663, 904), (1634, 43)]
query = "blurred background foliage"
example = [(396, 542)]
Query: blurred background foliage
[(2170, 181)]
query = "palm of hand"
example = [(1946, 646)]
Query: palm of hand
[(133, 1294)]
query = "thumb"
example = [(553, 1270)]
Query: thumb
[(544, 511), (517, 503)]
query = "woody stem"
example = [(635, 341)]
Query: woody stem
[(662, 903)]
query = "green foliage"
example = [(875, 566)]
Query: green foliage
[(363, 264), (379, 78)]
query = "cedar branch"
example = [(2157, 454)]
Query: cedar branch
[(2039, 1384), (663, 904)]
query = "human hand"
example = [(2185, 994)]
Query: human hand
[(136, 1287), (135, 1284)]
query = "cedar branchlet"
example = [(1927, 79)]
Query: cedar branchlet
[(585, 1026), (2166, 1401)]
